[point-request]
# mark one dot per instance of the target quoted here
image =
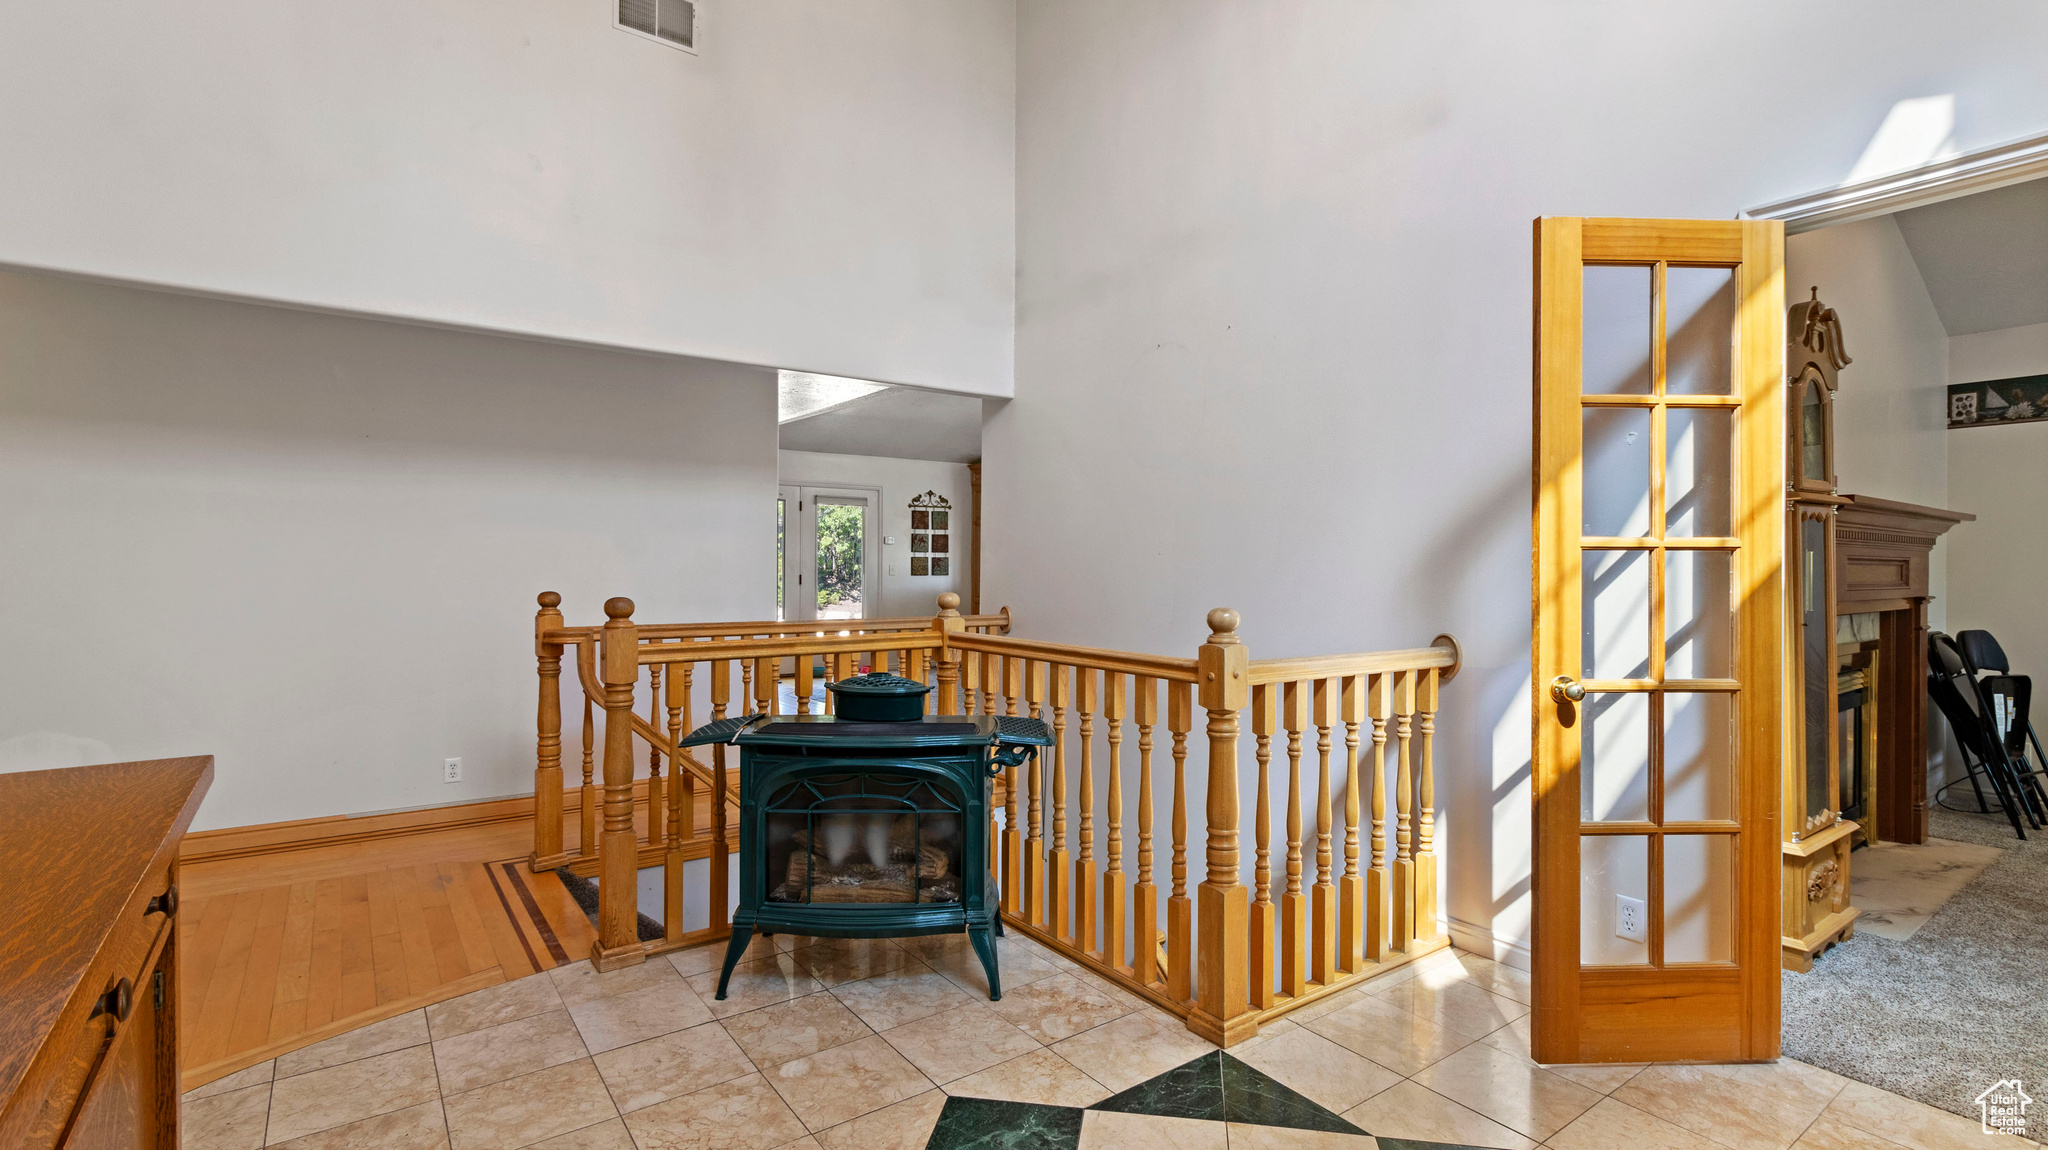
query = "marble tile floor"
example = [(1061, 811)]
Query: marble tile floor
[(1899, 886), (830, 1044)]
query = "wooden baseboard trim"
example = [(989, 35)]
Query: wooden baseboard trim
[(336, 830), (196, 1076)]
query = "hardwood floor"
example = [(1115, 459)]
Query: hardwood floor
[(283, 950)]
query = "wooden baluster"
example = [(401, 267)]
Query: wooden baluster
[(767, 693), (1293, 903), (948, 623), (618, 913), (802, 683), (689, 672), (681, 813), (1084, 867), (1425, 809), (991, 679), (970, 683), (1404, 802), (1145, 896), (588, 799), (1265, 714), (913, 668), (657, 810), (746, 681), (1034, 844), (1323, 897), (1350, 888), (1115, 899), (1059, 895), (1222, 1011), (547, 757), (1379, 704), (1180, 912), (721, 847), (1013, 813)]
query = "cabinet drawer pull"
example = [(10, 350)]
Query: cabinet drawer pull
[(119, 1001), (165, 903)]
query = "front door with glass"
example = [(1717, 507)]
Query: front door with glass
[(824, 552), (1658, 637)]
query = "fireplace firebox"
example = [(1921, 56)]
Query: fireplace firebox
[(871, 822)]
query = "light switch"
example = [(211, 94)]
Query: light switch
[(892, 568)]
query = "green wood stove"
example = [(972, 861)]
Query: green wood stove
[(871, 822)]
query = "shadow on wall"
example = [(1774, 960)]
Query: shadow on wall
[(1484, 804)]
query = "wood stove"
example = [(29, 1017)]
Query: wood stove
[(871, 822)]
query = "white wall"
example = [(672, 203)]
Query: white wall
[(902, 594), (1273, 305), (1995, 564), (310, 545), (827, 186)]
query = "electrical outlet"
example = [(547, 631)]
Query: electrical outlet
[(451, 770), (1631, 918)]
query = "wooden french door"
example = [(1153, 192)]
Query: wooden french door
[(1659, 635)]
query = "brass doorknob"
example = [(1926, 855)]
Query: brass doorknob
[(1566, 689)]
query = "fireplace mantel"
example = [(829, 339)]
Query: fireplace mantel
[(1883, 547)]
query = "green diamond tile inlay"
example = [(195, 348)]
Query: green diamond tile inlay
[(986, 1124), (1219, 1088), (1251, 1095), (1191, 1090)]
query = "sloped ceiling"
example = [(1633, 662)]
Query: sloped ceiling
[(901, 423), (1984, 257)]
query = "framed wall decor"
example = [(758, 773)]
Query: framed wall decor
[(931, 540), (2022, 399)]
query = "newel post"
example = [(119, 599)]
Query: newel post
[(618, 903), (948, 623), (1222, 1012), (547, 761)]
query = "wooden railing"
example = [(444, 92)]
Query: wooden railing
[(1226, 956)]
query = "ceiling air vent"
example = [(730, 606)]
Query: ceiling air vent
[(673, 22)]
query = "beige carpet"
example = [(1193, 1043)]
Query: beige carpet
[(1955, 1006)]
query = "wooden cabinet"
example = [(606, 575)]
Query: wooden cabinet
[(88, 968)]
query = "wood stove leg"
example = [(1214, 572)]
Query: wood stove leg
[(985, 949), (742, 934)]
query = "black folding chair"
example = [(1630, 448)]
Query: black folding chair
[(1985, 659), (1956, 692)]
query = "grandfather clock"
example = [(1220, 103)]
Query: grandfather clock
[(1817, 838)]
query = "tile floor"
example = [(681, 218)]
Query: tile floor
[(842, 1044), (1899, 886)]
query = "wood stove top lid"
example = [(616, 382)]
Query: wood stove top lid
[(830, 730)]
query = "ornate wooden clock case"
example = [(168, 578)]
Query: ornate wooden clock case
[(1815, 902)]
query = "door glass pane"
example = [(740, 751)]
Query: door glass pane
[(1617, 471), (1614, 758), (1616, 331), (1699, 898), (781, 551), (1698, 471), (1817, 657), (1699, 615), (1699, 331), (1699, 756), (842, 546), (1613, 868), (1614, 612)]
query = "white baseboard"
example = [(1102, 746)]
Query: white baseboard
[(1483, 942)]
